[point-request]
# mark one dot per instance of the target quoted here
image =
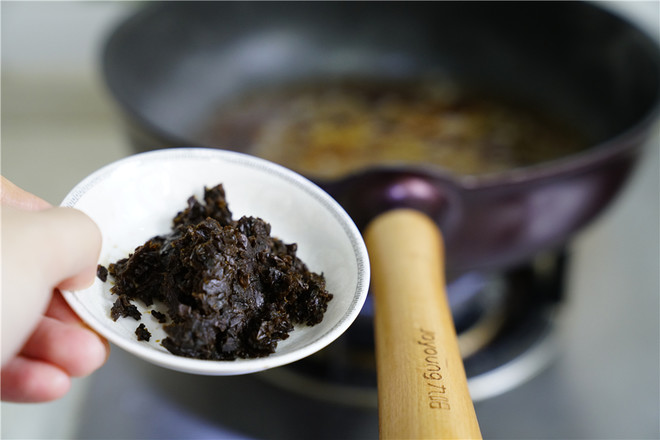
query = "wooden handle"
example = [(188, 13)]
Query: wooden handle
[(422, 387)]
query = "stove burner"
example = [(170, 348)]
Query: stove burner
[(504, 323)]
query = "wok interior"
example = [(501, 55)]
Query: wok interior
[(174, 64)]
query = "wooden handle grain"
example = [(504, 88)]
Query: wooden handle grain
[(422, 387)]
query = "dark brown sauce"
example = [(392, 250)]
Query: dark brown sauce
[(327, 130), (229, 289)]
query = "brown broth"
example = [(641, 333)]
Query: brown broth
[(327, 130)]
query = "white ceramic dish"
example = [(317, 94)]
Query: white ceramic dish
[(136, 198)]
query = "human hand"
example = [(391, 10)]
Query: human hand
[(44, 343)]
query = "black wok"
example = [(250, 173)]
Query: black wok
[(170, 65)]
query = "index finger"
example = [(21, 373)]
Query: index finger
[(12, 195), (60, 309)]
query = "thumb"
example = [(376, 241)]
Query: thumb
[(72, 253), (41, 250)]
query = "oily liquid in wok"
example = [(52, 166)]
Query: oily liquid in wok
[(326, 130)]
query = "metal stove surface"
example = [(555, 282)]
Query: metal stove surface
[(604, 379)]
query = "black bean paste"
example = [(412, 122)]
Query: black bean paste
[(228, 287), (102, 273), (160, 317), (123, 308), (142, 333)]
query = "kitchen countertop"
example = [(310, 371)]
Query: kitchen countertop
[(59, 125)]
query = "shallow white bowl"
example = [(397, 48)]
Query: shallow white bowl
[(136, 198)]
